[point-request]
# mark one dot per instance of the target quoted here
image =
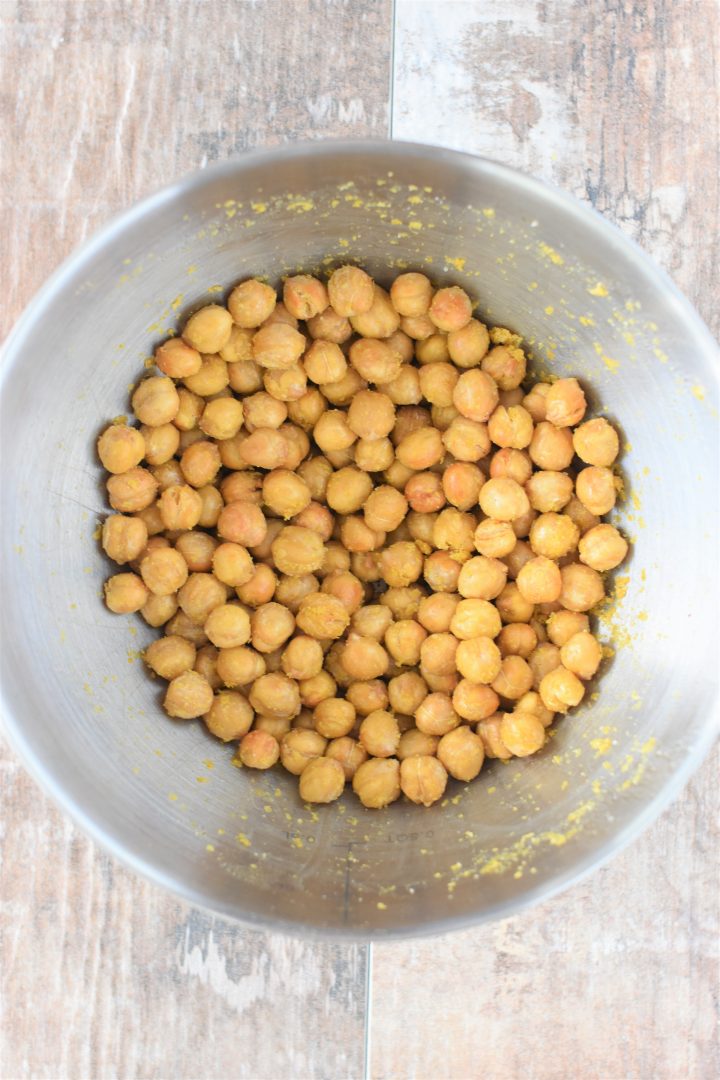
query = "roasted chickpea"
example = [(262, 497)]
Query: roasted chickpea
[(322, 780), (350, 291), (307, 410), (414, 743), (542, 660), (324, 362), (489, 732), (511, 427), (131, 491), (251, 303), (424, 492), (271, 626), (513, 606), (514, 679), (475, 618), (346, 587), (494, 539), (596, 490), (364, 658), (222, 418), (462, 753), (435, 715), (367, 696), (374, 360), (228, 625), (468, 345), (200, 594), (188, 695), (332, 432), (125, 593), (237, 353), (475, 395), (232, 564), (167, 474), (305, 296), (406, 692), (291, 591), (517, 639), (562, 625), (421, 449), (482, 578), (539, 580), (582, 587), (377, 782), (582, 654), (124, 538), (503, 499), (515, 464), (239, 666), (441, 571), (380, 320), (380, 734), (121, 448), (553, 535), (342, 392), (169, 656), (596, 442), (316, 689), (507, 365), (275, 695), (422, 777), (411, 294), (372, 621), (321, 616), (242, 523), (548, 491), (535, 401), (155, 401), (561, 690), (450, 309), (461, 484), (329, 326), (374, 455), (299, 747), (277, 346), (161, 443), (565, 403), (287, 385), (230, 716), (257, 750), (466, 440), (403, 640), (522, 733), (334, 717), (474, 701), (206, 665), (177, 359), (478, 659), (164, 571), (603, 548)]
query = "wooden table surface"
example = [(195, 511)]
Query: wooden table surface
[(105, 976)]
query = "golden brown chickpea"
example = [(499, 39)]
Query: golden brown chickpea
[(232, 564), (228, 625), (436, 715), (403, 640), (406, 692), (180, 507), (475, 395), (350, 291), (176, 359), (371, 415), (551, 447), (507, 365), (422, 777), (332, 432), (131, 491), (160, 443), (257, 750), (251, 303), (553, 535), (595, 487), (489, 732), (343, 391), (420, 528), (285, 493), (522, 553), (461, 483), (582, 654), (467, 346), (321, 616), (155, 401), (307, 410), (239, 666), (603, 548), (297, 551), (200, 463), (421, 449), (475, 618), (280, 314), (565, 403), (514, 679), (329, 326), (164, 571), (303, 721), (478, 660), (299, 747), (197, 549), (317, 689), (380, 320), (474, 701), (189, 412), (438, 654), (462, 753), (125, 593), (153, 544), (304, 296), (222, 418), (212, 378), (512, 397), (124, 538), (424, 492), (302, 658), (450, 309), (275, 695), (548, 491), (168, 474), (441, 571), (348, 489), (121, 448), (581, 515), (466, 440), (582, 587), (437, 382), (334, 718), (494, 539), (287, 385), (532, 703), (561, 690), (230, 716), (346, 588), (517, 639), (169, 656), (535, 401), (242, 369), (482, 578), (188, 695), (242, 523), (380, 734), (440, 684), (374, 360), (404, 389), (374, 455), (436, 612), (596, 443), (317, 518), (562, 625), (208, 329), (357, 536), (348, 753), (367, 696), (411, 294), (271, 626), (414, 743), (184, 627), (522, 733), (267, 448), (385, 508), (511, 427), (364, 658), (397, 475), (502, 499), (542, 660), (322, 780), (377, 782), (261, 410), (324, 362), (420, 328), (291, 591), (199, 595), (277, 346), (372, 621), (539, 580), (453, 531), (316, 473), (206, 665), (513, 606)]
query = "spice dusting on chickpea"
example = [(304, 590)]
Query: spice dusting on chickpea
[(371, 545)]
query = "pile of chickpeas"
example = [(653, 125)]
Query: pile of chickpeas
[(371, 547)]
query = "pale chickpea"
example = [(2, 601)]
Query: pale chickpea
[(307, 410), (539, 580), (257, 750), (364, 658), (522, 733), (169, 656), (299, 747), (125, 593), (344, 390), (277, 346), (374, 360), (596, 490), (291, 591), (200, 594), (377, 782), (561, 690), (468, 345), (121, 448), (549, 491), (511, 426), (474, 701), (379, 734), (422, 777), (507, 365), (502, 499), (324, 362), (565, 403), (131, 491), (475, 618), (380, 320), (435, 715), (421, 449), (212, 378), (466, 440), (494, 539), (461, 483), (327, 325), (517, 639), (424, 492), (478, 660), (321, 616), (441, 571), (450, 309), (188, 695), (535, 401), (406, 692), (230, 716), (124, 538), (582, 587), (553, 535), (489, 732), (475, 395), (242, 523), (462, 753), (582, 654), (334, 717), (596, 442), (411, 294), (603, 547), (271, 626), (164, 571), (482, 578), (161, 443), (403, 640), (513, 606)]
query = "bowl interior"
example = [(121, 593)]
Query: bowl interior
[(162, 794)]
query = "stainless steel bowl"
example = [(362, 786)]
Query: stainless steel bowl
[(162, 796)]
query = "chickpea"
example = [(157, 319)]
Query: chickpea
[(596, 442), (350, 291), (280, 314), (275, 695), (422, 777), (437, 382), (227, 626), (367, 696), (131, 491), (595, 487), (261, 410), (317, 518), (442, 572), (322, 616), (475, 395), (374, 455), (582, 587), (297, 551), (478, 659), (553, 535), (176, 359), (291, 591), (327, 325), (435, 715), (188, 695), (482, 578), (346, 588), (212, 378), (239, 666), (124, 538), (411, 294), (257, 750), (316, 689), (475, 618), (466, 440), (322, 780), (332, 432), (511, 427), (155, 401), (581, 516), (208, 329), (229, 717), (414, 743), (503, 499), (125, 593), (380, 320), (565, 403), (342, 392), (222, 418), (539, 580), (468, 345), (440, 684), (357, 536), (168, 474), (324, 362), (514, 679), (334, 717), (197, 549), (517, 639), (348, 489), (542, 660), (581, 654), (377, 782), (450, 309), (397, 475), (461, 484), (271, 626), (120, 448), (474, 701), (251, 303), (403, 640), (494, 539), (232, 564), (288, 385), (180, 507), (189, 412), (316, 473), (212, 504), (200, 463), (513, 606), (602, 547), (243, 372), (438, 654), (161, 443), (348, 752), (380, 734), (507, 365), (420, 328), (206, 665), (285, 493), (406, 692), (307, 410), (242, 523), (489, 732), (548, 491), (462, 753), (164, 571), (374, 360), (180, 624), (532, 703), (420, 527), (561, 690), (277, 346), (421, 449), (551, 447), (404, 389), (372, 621), (424, 492), (522, 733), (535, 401), (364, 658), (305, 296), (298, 748), (199, 595), (170, 656), (562, 625)]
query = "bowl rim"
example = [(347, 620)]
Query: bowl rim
[(587, 217)]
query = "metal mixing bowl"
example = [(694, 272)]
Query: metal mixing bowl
[(162, 795)]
